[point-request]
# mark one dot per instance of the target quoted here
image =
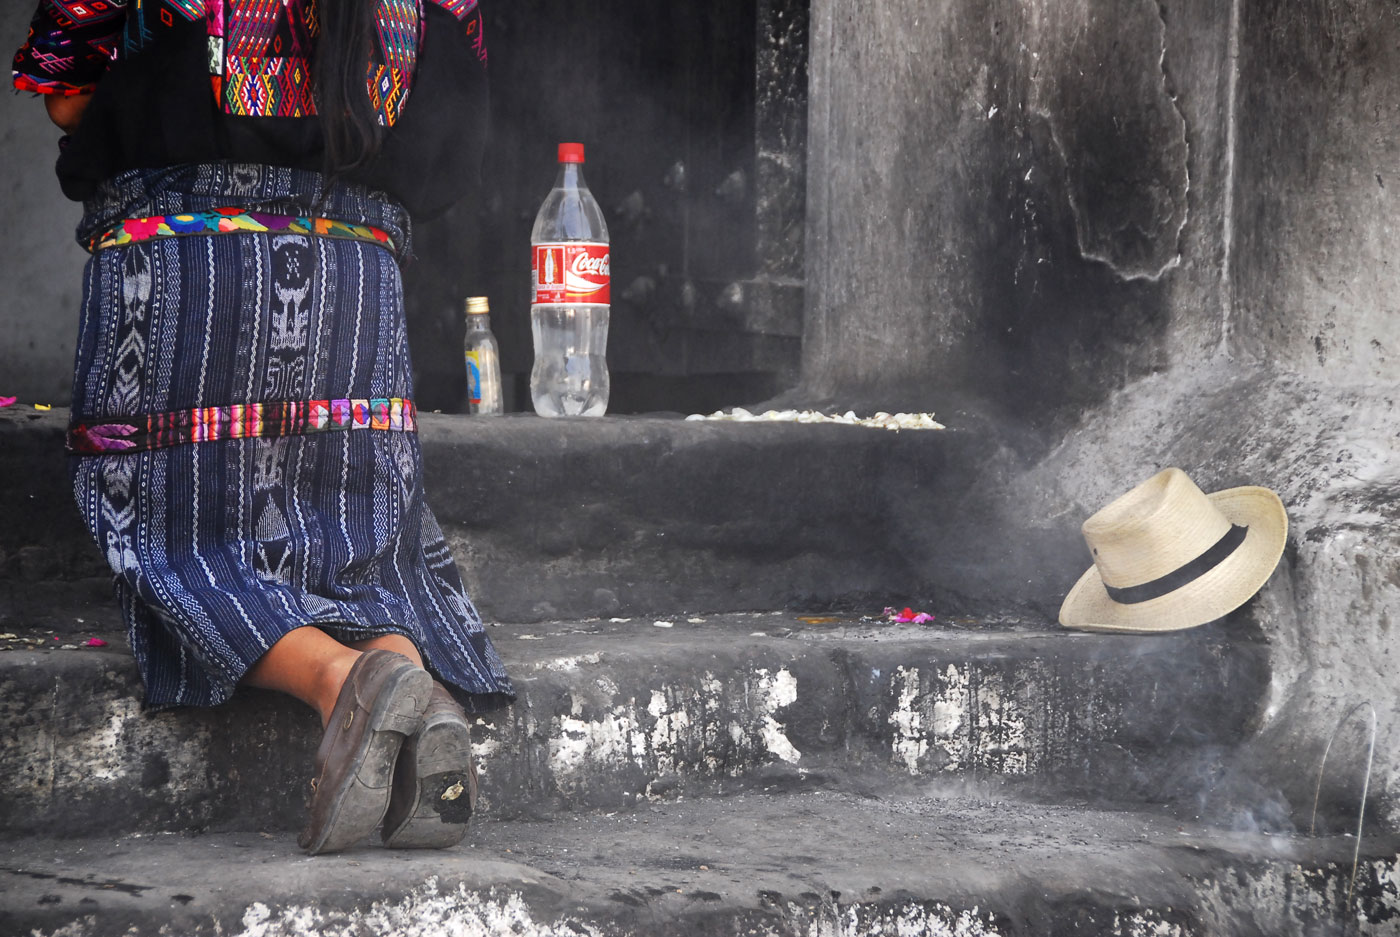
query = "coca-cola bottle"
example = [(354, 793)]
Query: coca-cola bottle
[(569, 296)]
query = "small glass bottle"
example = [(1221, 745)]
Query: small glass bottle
[(483, 360)]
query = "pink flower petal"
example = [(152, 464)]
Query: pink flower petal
[(8, 401), (96, 642), (922, 618)]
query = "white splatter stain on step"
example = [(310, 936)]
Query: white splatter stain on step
[(609, 738), (777, 691), (716, 727), (909, 744), (667, 733)]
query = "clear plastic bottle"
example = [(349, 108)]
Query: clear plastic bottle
[(483, 360), (569, 298)]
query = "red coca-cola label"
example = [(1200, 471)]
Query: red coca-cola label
[(571, 272)]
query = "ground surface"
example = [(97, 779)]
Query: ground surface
[(753, 863)]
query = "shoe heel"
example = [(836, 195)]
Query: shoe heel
[(408, 701), (444, 747)]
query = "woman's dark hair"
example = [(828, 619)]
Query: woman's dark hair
[(348, 123)]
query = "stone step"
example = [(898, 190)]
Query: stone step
[(612, 714), (582, 518), (921, 864)]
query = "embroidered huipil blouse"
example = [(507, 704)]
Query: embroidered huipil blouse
[(193, 81)]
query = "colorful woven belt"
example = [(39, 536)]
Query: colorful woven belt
[(234, 221), (241, 421)]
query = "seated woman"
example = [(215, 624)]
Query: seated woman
[(243, 427)]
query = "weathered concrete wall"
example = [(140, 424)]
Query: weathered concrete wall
[(1318, 160), (41, 266), (1011, 200), (1080, 218)]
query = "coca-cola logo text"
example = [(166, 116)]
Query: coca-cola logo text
[(574, 271), (587, 266)]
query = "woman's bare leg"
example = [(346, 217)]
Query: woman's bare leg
[(312, 666), (391, 642), (306, 663)]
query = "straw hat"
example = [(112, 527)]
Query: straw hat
[(1167, 556)]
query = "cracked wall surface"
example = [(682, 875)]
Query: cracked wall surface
[(1009, 201), (1117, 129)]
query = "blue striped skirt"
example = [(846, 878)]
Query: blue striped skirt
[(223, 541)]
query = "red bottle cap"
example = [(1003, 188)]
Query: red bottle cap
[(571, 152)]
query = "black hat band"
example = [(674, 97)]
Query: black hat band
[(1184, 575)]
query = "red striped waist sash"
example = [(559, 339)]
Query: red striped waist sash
[(240, 421)]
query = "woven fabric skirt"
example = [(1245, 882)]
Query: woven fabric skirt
[(222, 542)]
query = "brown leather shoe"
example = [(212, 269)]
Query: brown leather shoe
[(435, 780), (381, 703)]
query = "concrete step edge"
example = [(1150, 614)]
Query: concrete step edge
[(616, 713), (767, 866), (620, 516)]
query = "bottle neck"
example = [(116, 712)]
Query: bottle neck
[(570, 176), (478, 322)]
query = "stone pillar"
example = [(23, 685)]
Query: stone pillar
[(1009, 200), (1317, 247)]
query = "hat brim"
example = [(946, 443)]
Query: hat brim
[(1220, 591)]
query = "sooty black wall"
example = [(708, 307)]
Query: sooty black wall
[(693, 116)]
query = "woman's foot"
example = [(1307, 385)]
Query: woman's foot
[(381, 703), (435, 780)]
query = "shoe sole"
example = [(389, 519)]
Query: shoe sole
[(364, 797), (440, 811)]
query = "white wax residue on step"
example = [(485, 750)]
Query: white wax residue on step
[(611, 737), (668, 733), (777, 691), (909, 743)]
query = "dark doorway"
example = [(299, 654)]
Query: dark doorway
[(694, 119)]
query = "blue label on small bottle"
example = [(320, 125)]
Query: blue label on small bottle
[(473, 379)]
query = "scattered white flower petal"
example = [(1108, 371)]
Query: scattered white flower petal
[(881, 420), (664, 624), (696, 621), (619, 621)]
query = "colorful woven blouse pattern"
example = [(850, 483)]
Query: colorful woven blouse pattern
[(234, 221), (260, 51), (70, 45), (241, 421)]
